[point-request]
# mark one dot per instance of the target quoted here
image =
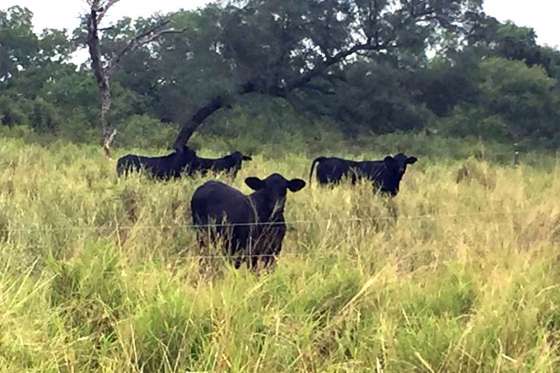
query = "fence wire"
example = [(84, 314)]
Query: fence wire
[(288, 223), (327, 222)]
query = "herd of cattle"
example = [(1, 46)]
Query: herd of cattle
[(251, 227)]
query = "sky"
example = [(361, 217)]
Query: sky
[(540, 14), (65, 13)]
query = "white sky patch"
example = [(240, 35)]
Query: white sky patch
[(66, 13), (541, 15)]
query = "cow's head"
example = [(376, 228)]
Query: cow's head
[(395, 169), (275, 188)]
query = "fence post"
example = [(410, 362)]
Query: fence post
[(515, 155)]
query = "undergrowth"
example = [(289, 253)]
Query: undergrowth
[(460, 272)]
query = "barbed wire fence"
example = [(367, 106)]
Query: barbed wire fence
[(328, 222), (287, 223), (516, 156)]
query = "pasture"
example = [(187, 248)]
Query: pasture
[(102, 274)]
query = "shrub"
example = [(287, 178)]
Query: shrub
[(44, 117), (11, 112)]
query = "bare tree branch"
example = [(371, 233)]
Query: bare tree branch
[(108, 140), (103, 71), (143, 38), (330, 61), (104, 8)]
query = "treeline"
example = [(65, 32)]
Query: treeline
[(290, 69)]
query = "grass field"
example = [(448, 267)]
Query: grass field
[(100, 274)]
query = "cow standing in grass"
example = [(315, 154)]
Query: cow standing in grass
[(252, 227), (230, 164), (173, 165), (385, 174)]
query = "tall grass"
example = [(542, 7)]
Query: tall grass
[(460, 272)]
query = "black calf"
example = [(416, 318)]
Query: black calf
[(252, 227), (385, 174), (163, 168), (230, 163)]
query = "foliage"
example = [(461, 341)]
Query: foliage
[(43, 116), (487, 79), (511, 102), (521, 95), (19, 43), (12, 111)]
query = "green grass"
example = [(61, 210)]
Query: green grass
[(101, 274)]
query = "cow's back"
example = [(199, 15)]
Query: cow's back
[(371, 170), (164, 167), (224, 164), (202, 165), (128, 163), (332, 170), (215, 201), (218, 209)]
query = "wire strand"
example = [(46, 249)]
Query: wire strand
[(288, 223)]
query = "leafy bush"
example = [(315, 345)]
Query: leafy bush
[(142, 131), (11, 112), (44, 117)]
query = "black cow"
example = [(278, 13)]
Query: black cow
[(251, 227), (230, 163), (164, 168), (385, 174)]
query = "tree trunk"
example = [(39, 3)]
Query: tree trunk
[(198, 118), (103, 70), (108, 132), (102, 78), (190, 127)]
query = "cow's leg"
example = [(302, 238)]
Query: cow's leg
[(275, 247), (254, 260), (237, 262), (204, 239), (269, 261), (253, 255), (235, 249)]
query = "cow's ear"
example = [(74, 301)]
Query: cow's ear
[(255, 183), (247, 158), (411, 160), (296, 184)]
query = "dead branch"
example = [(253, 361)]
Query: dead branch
[(103, 70), (142, 38), (108, 140)]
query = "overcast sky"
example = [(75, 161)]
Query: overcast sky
[(540, 14)]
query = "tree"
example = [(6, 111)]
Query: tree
[(28, 62), (104, 66), (18, 43), (278, 48), (519, 94)]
